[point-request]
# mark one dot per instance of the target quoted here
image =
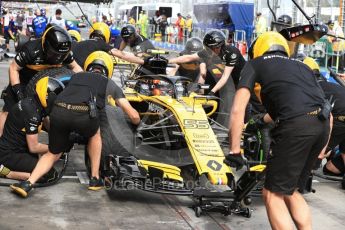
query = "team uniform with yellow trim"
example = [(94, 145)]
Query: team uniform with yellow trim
[(71, 112), (141, 45), (338, 130), (229, 56), (32, 60), (81, 50), (290, 93), (25, 118)]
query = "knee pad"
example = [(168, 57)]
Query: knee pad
[(4, 171)]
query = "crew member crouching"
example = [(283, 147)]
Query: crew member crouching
[(77, 109)]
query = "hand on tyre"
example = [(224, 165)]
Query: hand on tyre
[(235, 160), (147, 61)]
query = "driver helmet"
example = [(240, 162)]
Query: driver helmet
[(56, 44), (47, 89), (100, 60), (75, 35), (270, 42), (192, 46), (161, 88), (214, 39), (100, 30)]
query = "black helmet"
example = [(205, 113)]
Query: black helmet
[(128, 32), (285, 19), (56, 44), (214, 38), (192, 46)]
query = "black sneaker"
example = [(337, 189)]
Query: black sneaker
[(96, 184), (22, 188)]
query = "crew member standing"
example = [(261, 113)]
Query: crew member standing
[(222, 61), (295, 101), (139, 44), (39, 23), (57, 19), (99, 35)]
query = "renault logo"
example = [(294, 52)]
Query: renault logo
[(214, 165)]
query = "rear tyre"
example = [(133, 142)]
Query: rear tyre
[(61, 73), (21, 40)]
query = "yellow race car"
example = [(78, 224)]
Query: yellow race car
[(175, 149)]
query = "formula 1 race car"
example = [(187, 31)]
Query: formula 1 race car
[(175, 149)]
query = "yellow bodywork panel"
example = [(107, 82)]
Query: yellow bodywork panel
[(119, 61), (200, 138), (257, 168), (170, 171), (132, 95)]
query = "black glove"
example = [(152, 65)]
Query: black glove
[(165, 59), (147, 61), (235, 160), (18, 90), (258, 120), (211, 93)]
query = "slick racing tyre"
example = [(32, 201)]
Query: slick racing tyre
[(117, 134), (21, 39), (61, 73)]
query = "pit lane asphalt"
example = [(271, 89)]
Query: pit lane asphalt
[(69, 205)]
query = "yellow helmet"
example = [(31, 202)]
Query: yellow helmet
[(75, 35), (100, 58), (312, 64), (47, 88), (100, 30), (269, 42)]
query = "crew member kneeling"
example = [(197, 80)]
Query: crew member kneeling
[(19, 145), (77, 109)]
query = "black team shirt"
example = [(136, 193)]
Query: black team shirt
[(288, 87)]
